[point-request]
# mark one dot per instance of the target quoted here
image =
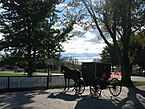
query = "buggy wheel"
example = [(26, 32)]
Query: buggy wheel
[(80, 87), (95, 89), (115, 87)]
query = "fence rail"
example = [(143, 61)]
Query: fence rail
[(19, 82)]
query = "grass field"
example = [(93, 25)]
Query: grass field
[(11, 74), (138, 83)]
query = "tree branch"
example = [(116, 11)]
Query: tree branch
[(95, 21)]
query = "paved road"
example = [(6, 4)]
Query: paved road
[(55, 99)]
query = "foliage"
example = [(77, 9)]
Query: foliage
[(137, 50), (29, 30), (109, 56), (116, 19)]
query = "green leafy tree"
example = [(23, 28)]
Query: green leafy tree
[(116, 19), (22, 30), (109, 56), (29, 30), (137, 50)]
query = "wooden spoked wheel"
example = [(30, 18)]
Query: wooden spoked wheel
[(95, 89), (115, 87)]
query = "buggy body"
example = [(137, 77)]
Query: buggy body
[(93, 70)]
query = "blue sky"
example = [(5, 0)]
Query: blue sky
[(85, 48)]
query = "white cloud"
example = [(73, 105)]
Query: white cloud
[(87, 47), (61, 5)]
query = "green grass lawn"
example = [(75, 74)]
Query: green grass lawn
[(10, 74), (138, 83)]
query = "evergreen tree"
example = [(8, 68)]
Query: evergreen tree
[(29, 31)]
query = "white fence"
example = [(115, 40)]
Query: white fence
[(32, 82)]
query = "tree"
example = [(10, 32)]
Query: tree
[(109, 56), (29, 30), (117, 19), (22, 20), (137, 50)]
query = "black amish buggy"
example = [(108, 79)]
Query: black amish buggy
[(97, 76)]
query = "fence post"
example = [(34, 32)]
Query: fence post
[(8, 83), (48, 76), (47, 82)]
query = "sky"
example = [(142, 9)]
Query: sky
[(85, 48)]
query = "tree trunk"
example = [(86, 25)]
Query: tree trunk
[(125, 60), (126, 79), (125, 67)]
